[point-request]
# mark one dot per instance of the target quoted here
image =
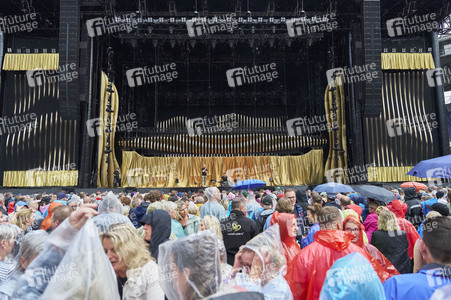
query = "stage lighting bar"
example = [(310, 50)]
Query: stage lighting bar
[(215, 19)]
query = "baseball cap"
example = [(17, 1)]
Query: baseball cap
[(61, 196), (323, 194), (267, 200)]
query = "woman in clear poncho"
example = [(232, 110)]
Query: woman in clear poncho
[(32, 244), (262, 264), (190, 268), (136, 271)]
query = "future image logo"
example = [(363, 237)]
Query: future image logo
[(438, 176), (410, 125), (353, 74), (150, 75), (303, 26), (438, 76), (259, 73), (38, 77), (215, 124), (410, 25), (201, 26)]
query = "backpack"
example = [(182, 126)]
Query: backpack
[(261, 221)]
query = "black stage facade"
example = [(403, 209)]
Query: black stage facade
[(291, 92)]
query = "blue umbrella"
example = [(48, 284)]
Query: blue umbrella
[(333, 188), (439, 167), (248, 184)]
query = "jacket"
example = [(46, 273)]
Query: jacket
[(237, 230), (399, 209), (313, 262), (420, 285), (138, 213), (309, 238), (177, 229), (414, 210), (192, 225), (393, 245), (370, 225), (160, 221), (142, 283)]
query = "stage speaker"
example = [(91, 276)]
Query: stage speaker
[(69, 37), (130, 190), (372, 49), (68, 190)]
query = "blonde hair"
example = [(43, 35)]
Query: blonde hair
[(179, 204), (224, 203), (387, 221), (211, 222), (192, 209), (127, 245), (380, 209), (20, 218)]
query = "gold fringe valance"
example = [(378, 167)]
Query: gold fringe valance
[(146, 172), (391, 174), (40, 178), (407, 61), (25, 61)]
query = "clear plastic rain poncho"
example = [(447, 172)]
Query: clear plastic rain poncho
[(268, 247), (111, 211), (9, 232), (190, 268), (251, 203), (73, 265), (32, 244), (353, 278)]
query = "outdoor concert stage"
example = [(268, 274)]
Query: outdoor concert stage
[(292, 92)]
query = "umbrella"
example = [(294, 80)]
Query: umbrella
[(417, 185), (333, 188), (375, 192), (248, 184), (439, 167)]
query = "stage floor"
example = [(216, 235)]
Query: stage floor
[(54, 190)]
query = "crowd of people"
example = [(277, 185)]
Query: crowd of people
[(208, 244)]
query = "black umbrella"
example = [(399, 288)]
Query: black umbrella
[(375, 192)]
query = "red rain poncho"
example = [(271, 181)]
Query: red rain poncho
[(289, 244), (313, 262), (288, 241), (399, 209), (373, 251)]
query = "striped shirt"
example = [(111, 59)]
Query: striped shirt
[(6, 268)]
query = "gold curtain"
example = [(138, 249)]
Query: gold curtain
[(336, 160), (40, 178), (105, 171), (30, 61), (146, 172), (407, 61), (392, 174)]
